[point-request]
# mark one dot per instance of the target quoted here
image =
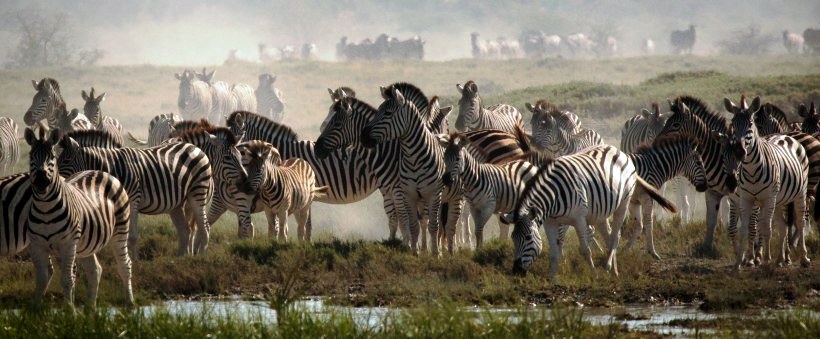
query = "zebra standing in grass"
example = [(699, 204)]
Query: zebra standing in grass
[(194, 101), (15, 201), (74, 219), (9, 148), (284, 187), (556, 133), (173, 178), (269, 100), (98, 120), (657, 162), (48, 104), (222, 101), (159, 129), (771, 174), (473, 116), (488, 188), (582, 189)]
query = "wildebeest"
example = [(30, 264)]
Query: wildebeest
[(683, 41)]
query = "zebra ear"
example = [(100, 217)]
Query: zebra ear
[(30, 136), (443, 139), (755, 105), (646, 113), (530, 107), (176, 75), (100, 98), (54, 137), (332, 96), (383, 91), (36, 85), (802, 111), (460, 88), (507, 218), (445, 111), (474, 88), (729, 105), (812, 109), (656, 109), (84, 95), (399, 97)]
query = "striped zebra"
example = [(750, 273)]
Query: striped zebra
[(657, 162), (770, 174), (194, 101), (488, 188), (153, 179), (222, 101), (48, 104), (15, 202), (581, 189), (421, 166), (243, 97), (94, 138), (284, 187), (159, 129), (74, 219), (691, 117), (98, 120), (473, 116), (269, 100), (555, 133), (811, 120), (9, 147)]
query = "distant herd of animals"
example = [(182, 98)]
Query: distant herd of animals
[(533, 44), (84, 190)]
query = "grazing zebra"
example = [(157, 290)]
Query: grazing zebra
[(194, 99), (771, 174), (556, 133), (581, 189), (421, 166), (74, 219), (243, 97), (811, 120), (98, 120), (159, 129), (9, 148), (222, 101), (488, 188), (49, 104), (15, 201), (658, 161), (473, 116), (269, 100), (691, 117), (154, 180), (284, 187)]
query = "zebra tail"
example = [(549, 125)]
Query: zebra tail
[(137, 141), (655, 195), (816, 206)]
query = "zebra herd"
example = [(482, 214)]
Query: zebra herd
[(84, 190)]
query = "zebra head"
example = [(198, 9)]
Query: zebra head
[(336, 96), (91, 108), (811, 120), (236, 123), (525, 237), (694, 170), (453, 157), (45, 103), (342, 128), (744, 131), (392, 120), (186, 89), (257, 157), (733, 154), (42, 159), (681, 121), (468, 106), (226, 158), (547, 133)]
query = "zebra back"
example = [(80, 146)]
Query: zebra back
[(244, 97), (643, 127), (94, 138), (668, 156)]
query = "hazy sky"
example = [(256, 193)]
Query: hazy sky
[(188, 32)]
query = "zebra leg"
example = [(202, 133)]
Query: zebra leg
[(801, 224), (273, 223), (583, 231), (766, 213), (555, 248), (42, 269), (178, 219), (302, 216), (203, 225), (389, 210), (408, 219), (123, 262), (480, 217), (754, 238), (731, 227), (68, 253), (133, 231), (434, 221), (93, 272), (746, 209), (635, 206), (453, 215), (503, 230), (243, 217), (782, 234), (283, 224), (683, 201), (712, 208)]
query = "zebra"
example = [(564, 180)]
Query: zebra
[(15, 202), (9, 147), (690, 116), (488, 188), (159, 129), (49, 104), (269, 100), (771, 174), (284, 187), (194, 99), (243, 97), (658, 161), (336, 95), (811, 120), (74, 218), (98, 120), (93, 138), (153, 178), (222, 101), (473, 116), (556, 133), (580, 189)]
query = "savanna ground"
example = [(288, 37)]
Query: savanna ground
[(348, 264)]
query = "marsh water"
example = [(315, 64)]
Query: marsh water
[(644, 318)]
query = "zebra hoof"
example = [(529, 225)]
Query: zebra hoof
[(805, 263), (655, 255)]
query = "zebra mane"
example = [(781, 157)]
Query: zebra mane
[(712, 119), (439, 117), (353, 102), (544, 166), (200, 131), (54, 84), (664, 140), (409, 90), (93, 138), (544, 106), (186, 125), (776, 113), (272, 127)]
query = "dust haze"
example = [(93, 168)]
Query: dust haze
[(190, 32)]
